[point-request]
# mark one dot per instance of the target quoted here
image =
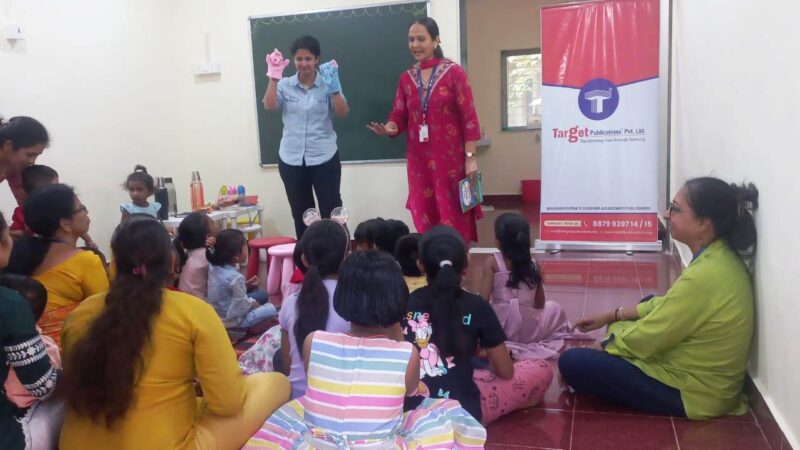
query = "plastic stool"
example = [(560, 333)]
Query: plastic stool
[(254, 260), (281, 269)]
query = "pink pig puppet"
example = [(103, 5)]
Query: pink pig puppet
[(276, 64)]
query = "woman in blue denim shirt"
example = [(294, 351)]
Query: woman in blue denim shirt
[(308, 100)]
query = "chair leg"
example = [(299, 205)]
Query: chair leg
[(274, 276)]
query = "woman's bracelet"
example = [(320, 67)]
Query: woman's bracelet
[(618, 314)]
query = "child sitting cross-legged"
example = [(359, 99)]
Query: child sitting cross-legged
[(449, 325), (357, 380), (227, 289), (512, 281)]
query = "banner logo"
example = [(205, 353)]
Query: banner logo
[(598, 99)]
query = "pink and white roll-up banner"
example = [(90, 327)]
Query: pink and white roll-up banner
[(600, 123)]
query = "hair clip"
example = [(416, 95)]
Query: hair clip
[(446, 262), (141, 270), (310, 216), (339, 215)]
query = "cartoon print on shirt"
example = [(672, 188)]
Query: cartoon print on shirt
[(429, 360)]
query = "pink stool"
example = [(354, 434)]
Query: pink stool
[(256, 246), (281, 268)]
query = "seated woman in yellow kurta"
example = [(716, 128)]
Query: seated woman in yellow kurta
[(132, 356), (58, 218), (685, 353)]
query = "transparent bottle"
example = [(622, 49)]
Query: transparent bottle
[(196, 187)]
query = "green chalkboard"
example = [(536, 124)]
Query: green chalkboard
[(371, 46)]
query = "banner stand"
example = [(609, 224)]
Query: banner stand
[(600, 126)]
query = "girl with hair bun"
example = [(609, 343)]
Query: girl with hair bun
[(140, 187)]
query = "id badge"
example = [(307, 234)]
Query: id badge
[(423, 133)]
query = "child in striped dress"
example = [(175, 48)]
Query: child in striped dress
[(357, 381)]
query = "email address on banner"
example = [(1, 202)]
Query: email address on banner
[(600, 223)]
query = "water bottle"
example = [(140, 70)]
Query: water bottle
[(173, 201), (162, 197), (242, 196), (196, 186)]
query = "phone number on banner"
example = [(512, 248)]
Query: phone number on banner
[(622, 223)]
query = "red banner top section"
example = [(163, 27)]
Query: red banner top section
[(611, 39)]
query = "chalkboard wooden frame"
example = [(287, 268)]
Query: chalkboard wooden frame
[(269, 124)]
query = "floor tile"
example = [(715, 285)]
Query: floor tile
[(763, 416), (503, 447), (557, 396), (590, 404), (512, 447), (719, 435), (571, 302), (746, 418), (600, 302), (594, 431), (532, 427), (613, 274), (651, 275), (772, 432), (564, 275)]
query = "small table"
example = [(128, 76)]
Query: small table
[(229, 218)]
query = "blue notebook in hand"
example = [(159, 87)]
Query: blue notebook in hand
[(470, 195)]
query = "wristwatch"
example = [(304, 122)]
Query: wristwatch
[(470, 154)]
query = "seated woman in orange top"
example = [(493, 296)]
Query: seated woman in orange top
[(57, 217)]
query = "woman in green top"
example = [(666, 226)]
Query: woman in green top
[(684, 353), (21, 348)]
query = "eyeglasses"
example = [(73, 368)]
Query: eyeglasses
[(81, 209), (674, 209)]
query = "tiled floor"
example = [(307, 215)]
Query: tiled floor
[(585, 283)]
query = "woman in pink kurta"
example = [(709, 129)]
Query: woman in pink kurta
[(440, 138)]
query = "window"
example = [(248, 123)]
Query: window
[(521, 72)]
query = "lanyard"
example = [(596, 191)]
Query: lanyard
[(423, 101)]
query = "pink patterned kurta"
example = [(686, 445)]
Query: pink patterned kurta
[(435, 167)]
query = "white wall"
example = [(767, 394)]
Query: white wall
[(112, 81), (494, 26), (104, 88), (735, 113)]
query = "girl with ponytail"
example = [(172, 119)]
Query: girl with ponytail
[(196, 232), (132, 356), (702, 326), (449, 325), (512, 281), (323, 247), (227, 288)]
